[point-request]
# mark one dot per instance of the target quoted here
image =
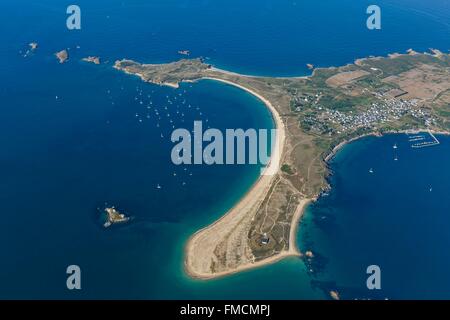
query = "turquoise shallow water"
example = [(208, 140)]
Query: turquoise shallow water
[(62, 158)]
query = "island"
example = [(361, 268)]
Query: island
[(91, 59), (62, 56), (315, 116), (334, 295), (33, 46), (113, 216)]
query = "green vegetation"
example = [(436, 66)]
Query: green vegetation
[(287, 169)]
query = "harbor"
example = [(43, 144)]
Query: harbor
[(421, 141)]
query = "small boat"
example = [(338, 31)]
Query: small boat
[(158, 186), (370, 170), (395, 146), (184, 52)]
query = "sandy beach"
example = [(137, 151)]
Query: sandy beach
[(193, 244), (228, 245), (200, 247)]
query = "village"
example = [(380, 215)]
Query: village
[(330, 121)]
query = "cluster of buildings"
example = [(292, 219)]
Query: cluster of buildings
[(387, 109), (302, 101)]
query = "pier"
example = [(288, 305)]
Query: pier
[(424, 144)]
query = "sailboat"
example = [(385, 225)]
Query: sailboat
[(370, 170)]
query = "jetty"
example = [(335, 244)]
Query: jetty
[(424, 144)]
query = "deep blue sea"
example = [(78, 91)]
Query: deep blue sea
[(396, 217), (77, 135)]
